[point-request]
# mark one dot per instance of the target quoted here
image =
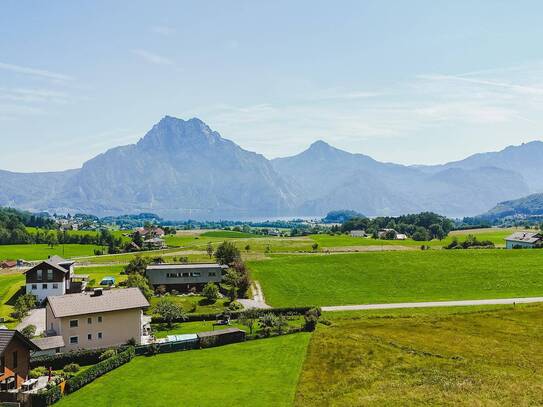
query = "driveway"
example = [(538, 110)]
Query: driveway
[(258, 300), (502, 301), (37, 318)]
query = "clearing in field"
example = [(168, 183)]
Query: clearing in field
[(255, 373), (441, 358), (384, 277)]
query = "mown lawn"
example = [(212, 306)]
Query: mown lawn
[(42, 251), (478, 358), (381, 277), (194, 303), (10, 283), (255, 373)]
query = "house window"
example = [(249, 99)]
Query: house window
[(38, 275), (74, 339), (89, 320), (15, 360), (49, 275), (34, 286), (195, 274), (186, 274), (44, 286), (55, 285), (211, 274), (74, 323), (99, 319), (99, 335), (89, 337)]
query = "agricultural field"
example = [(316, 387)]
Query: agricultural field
[(432, 357), (10, 283), (31, 252), (381, 277), (495, 235), (257, 373)]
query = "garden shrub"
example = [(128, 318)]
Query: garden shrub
[(37, 372), (108, 354), (82, 357), (46, 397), (72, 368)]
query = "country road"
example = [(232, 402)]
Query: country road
[(430, 304)]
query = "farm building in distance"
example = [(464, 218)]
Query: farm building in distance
[(358, 233), (183, 277), (524, 240), (54, 276)]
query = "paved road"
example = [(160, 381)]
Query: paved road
[(37, 318), (430, 304)]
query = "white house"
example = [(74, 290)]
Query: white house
[(358, 233), (524, 240)]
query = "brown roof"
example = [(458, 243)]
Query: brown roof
[(88, 303), (7, 335), (50, 263)]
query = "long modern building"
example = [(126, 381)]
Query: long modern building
[(183, 277)]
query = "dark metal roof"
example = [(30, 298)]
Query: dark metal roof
[(219, 332)]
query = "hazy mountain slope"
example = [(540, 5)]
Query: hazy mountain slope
[(183, 169), (526, 206), (526, 160), (330, 178), (180, 168)]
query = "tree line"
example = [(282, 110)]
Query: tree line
[(422, 226)]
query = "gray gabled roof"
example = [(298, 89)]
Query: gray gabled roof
[(49, 342), (170, 266), (88, 303), (7, 335), (525, 237)]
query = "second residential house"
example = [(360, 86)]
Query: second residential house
[(54, 276), (183, 277), (97, 319)]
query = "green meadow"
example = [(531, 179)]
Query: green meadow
[(255, 373), (381, 277), (428, 357), (42, 251)]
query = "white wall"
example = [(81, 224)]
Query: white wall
[(42, 293)]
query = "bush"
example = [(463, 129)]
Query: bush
[(37, 372), (108, 354), (72, 368), (311, 318), (29, 331), (235, 306), (58, 361), (46, 397), (211, 292), (101, 368)]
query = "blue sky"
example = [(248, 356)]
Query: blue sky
[(409, 82)]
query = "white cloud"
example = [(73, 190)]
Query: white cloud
[(152, 58), (35, 72)]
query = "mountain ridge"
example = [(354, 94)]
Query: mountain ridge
[(183, 168)]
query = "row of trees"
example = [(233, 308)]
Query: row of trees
[(423, 226)]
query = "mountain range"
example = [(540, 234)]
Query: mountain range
[(183, 169)]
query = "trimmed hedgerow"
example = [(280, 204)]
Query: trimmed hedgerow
[(46, 397), (84, 357), (101, 368)]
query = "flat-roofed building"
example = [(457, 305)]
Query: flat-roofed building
[(183, 277)]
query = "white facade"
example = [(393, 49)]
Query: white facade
[(45, 289)]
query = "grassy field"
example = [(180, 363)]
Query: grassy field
[(255, 373), (495, 235), (10, 282), (96, 274), (380, 277), (229, 234), (42, 251), (475, 358)]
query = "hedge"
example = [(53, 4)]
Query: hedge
[(46, 397), (235, 314), (84, 357), (101, 368)]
